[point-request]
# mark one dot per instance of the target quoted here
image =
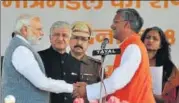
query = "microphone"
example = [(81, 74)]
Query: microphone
[(105, 41), (104, 52)]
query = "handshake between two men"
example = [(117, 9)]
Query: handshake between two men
[(80, 92)]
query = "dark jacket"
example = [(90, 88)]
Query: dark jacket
[(61, 67), (71, 75), (85, 70), (89, 70), (66, 67)]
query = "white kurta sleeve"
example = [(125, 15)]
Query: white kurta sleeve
[(26, 64)]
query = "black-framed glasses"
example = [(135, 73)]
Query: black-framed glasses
[(64, 35)]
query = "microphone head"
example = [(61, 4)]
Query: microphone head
[(105, 41)]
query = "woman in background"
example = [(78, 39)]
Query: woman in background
[(159, 55)]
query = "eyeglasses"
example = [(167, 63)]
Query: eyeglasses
[(84, 39), (64, 35)]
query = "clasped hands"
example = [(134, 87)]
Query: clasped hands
[(79, 90)]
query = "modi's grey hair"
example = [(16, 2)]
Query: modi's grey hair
[(23, 20)]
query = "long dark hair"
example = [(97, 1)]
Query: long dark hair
[(162, 56)]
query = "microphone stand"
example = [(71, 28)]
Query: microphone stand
[(102, 77)]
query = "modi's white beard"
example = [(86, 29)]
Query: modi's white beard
[(33, 40)]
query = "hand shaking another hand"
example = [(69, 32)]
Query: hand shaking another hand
[(79, 93), (79, 90)]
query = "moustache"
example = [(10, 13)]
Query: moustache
[(78, 46)]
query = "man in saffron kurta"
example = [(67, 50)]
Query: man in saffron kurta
[(131, 78)]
